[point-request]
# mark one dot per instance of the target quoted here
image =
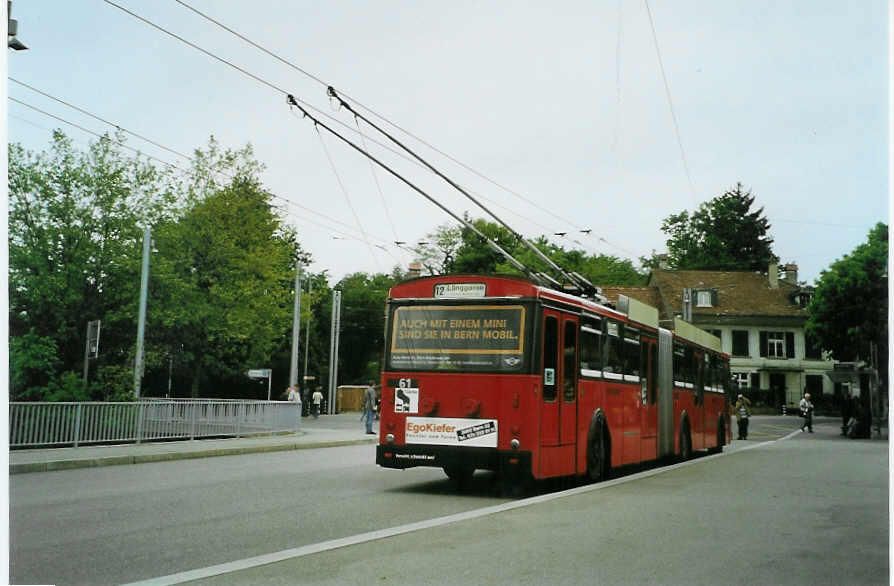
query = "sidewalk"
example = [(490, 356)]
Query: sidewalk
[(344, 429)]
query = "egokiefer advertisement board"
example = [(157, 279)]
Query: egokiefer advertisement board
[(445, 431)]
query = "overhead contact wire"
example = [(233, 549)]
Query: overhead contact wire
[(670, 103), (292, 102), (381, 117), (347, 197), (161, 146)]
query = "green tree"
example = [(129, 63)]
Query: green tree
[(598, 269), (723, 234), (849, 310), (362, 326), (437, 254), (223, 278), (474, 255), (74, 240)]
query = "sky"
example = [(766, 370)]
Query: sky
[(560, 117)]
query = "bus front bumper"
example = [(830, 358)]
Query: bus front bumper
[(410, 456)]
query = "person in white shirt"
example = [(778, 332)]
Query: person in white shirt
[(315, 401), (806, 412)]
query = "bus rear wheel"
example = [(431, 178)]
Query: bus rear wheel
[(459, 474), (597, 451)]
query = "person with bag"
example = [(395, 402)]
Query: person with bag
[(742, 409), (806, 412)]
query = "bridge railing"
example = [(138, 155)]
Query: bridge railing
[(75, 424)]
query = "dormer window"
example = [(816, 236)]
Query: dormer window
[(706, 298), (802, 298)]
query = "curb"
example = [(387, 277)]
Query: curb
[(56, 465)]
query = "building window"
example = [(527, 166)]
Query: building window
[(740, 343), (703, 299), (777, 344), (741, 379)]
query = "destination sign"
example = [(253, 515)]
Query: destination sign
[(460, 290)]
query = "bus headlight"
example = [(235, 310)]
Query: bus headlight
[(514, 443), (389, 439)]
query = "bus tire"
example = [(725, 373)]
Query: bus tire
[(721, 435), (598, 449), (685, 441), (459, 474)]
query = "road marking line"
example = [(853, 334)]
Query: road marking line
[(323, 546)]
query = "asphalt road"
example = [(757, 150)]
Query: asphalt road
[(808, 510)]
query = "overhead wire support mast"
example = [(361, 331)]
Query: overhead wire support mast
[(572, 278), (291, 101)]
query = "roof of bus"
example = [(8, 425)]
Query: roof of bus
[(494, 286), (515, 286)]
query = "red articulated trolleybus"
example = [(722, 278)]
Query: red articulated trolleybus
[(498, 373)]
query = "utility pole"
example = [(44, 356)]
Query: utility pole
[(310, 284), (333, 349), (296, 330), (141, 323), (91, 347)]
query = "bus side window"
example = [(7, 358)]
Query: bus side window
[(569, 362), (690, 367), (591, 349), (613, 367), (630, 353), (679, 365), (653, 380), (700, 372), (550, 356)]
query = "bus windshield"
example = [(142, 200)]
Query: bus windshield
[(471, 338)]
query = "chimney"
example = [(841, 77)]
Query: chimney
[(791, 273), (773, 275), (415, 270)]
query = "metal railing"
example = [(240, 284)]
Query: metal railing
[(75, 424)]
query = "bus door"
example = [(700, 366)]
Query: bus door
[(568, 402), (549, 407), (649, 397), (558, 417), (697, 429)]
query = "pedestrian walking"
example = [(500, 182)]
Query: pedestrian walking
[(806, 412), (369, 406), (742, 409), (315, 401)]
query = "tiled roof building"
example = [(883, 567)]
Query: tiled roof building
[(759, 319)]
